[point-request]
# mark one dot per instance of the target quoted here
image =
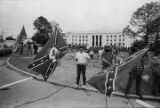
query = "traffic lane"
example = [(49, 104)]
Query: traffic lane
[(9, 75), (27, 92)]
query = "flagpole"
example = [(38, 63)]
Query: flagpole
[(56, 31)]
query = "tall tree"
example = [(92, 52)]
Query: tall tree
[(154, 29), (143, 16), (43, 27)]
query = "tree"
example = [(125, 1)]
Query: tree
[(128, 31), (143, 16), (43, 27)]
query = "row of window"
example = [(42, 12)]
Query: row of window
[(98, 35), (79, 43), (80, 40), (115, 40), (119, 44), (114, 36), (79, 36)]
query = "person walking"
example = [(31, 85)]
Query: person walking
[(82, 60)]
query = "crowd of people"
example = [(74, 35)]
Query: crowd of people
[(32, 47)]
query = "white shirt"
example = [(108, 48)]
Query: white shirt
[(82, 57), (52, 54)]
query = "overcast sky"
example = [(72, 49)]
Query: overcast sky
[(72, 15)]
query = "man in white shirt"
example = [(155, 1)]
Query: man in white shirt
[(53, 53), (82, 60)]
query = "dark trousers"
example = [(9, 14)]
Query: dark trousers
[(81, 69), (132, 77)]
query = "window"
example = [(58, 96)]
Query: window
[(119, 35), (86, 36), (111, 40), (107, 36), (119, 39), (111, 36), (123, 39), (114, 39), (107, 40), (83, 36), (123, 44), (115, 36)]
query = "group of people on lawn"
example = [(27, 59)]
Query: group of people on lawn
[(30, 46)]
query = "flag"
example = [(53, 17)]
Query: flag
[(115, 76), (41, 63)]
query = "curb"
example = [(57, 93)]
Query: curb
[(9, 64)]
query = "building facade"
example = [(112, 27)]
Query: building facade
[(99, 39)]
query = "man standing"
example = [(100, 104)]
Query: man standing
[(107, 57), (136, 74), (81, 58)]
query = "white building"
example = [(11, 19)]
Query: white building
[(99, 39)]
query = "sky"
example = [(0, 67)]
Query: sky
[(108, 16)]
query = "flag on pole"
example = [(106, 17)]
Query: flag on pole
[(112, 81), (42, 63)]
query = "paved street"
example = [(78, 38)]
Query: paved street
[(56, 92)]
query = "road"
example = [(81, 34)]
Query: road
[(57, 93)]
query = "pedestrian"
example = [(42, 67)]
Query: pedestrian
[(82, 60), (35, 47), (107, 57), (21, 47), (135, 75), (91, 53), (30, 47), (100, 53)]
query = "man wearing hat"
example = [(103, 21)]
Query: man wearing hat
[(82, 60)]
